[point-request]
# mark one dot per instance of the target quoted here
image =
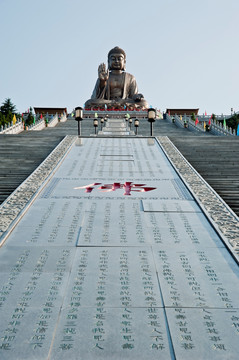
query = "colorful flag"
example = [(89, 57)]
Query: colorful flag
[(169, 112), (41, 116), (204, 125), (196, 121), (34, 119), (209, 122), (238, 130), (181, 118), (224, 124), (14, 120), (205, 113), (96, 115)]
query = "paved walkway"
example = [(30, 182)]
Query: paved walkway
[(109, 256), (21, 154)]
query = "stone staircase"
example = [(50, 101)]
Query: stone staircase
[(117, 127), (216, 160)]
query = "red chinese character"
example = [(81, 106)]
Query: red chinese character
[(128, 186)]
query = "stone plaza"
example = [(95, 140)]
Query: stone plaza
[(116, 248)]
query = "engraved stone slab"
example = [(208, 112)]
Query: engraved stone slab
[(19, 259), (97, 156), (202, 278), (113, 277), (190, 230), (52, 223), (107, 333), (34, 291), (26, 333), (170, 206), (117, 223), (33, 285), (49, 235), (33, 276), (204, 333)]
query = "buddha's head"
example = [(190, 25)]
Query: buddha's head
[(116, 59)]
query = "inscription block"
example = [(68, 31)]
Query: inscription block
[(52, 223), (113, 277), (197, 278), (180, 229), (204, 333), (23, 258), (118, 223), (93, 156), (106, 333), (32, 287), (170, 206), (26, 333)]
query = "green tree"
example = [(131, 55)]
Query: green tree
[(233, 121), (8, 107), (2, 119), (193, 117), (214, 118), (7, 110)]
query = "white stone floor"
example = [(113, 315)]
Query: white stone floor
[(116, 260)]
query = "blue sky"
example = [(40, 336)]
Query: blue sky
[(183, 53)]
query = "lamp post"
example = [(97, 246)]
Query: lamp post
[(136, 124), (130, 123), (79, 118), (102, 122), (95, 124), (151, 119)]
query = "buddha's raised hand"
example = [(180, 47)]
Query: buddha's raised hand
[(103, 74)]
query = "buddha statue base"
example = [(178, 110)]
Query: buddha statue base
[(119, 104)]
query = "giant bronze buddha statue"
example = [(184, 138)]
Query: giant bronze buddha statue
[(115, 87)]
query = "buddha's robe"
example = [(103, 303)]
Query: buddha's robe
[(129, 88)]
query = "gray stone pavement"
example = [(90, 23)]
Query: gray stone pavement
[(113, 252), (21, 154), (214, 157)]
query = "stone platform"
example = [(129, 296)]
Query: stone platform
[(114, 248), (118, 127)]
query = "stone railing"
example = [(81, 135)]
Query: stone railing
[(53, 121), (216, 127), (39, 125), (12, 129), (63, 117)]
